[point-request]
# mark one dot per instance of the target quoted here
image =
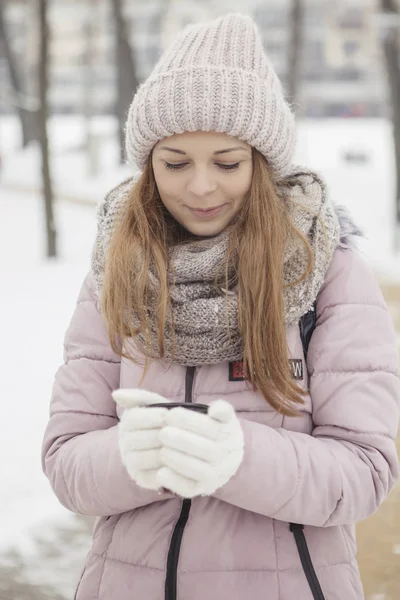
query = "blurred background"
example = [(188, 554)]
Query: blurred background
[(68, 71)]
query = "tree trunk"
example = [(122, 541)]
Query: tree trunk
[(296, 25), (127, 81), (392, 59), (89, 58), (25, 117), (43, 136)]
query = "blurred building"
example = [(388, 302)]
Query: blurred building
[(342, 63)]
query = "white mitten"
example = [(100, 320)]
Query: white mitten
[(200, 452), (139, 434)]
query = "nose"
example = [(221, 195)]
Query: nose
[(202, 183)]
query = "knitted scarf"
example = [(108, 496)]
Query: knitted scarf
[(200, 310)]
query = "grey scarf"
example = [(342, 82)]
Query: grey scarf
[(201, 311)]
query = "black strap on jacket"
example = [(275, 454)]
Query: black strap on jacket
[(307, 325), (301, 543)]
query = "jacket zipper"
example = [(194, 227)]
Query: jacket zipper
[(176, 540), (308, 567)]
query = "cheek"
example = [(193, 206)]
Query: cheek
[(238, 187), (167, 187), (169, 196)]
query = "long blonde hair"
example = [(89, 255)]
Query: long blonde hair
[(143, 237)]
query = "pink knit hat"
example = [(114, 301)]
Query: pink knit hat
[(214, 77)]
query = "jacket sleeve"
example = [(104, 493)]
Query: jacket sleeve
[(80, 453), (342, 472)]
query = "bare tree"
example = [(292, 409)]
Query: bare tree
[(89, 85), (296, 31), (391, 49), (127, 81), (42, 122), (26, 118)]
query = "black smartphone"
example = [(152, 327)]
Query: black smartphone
[(203, 408)]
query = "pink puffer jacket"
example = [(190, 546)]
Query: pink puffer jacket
[(326, 470)]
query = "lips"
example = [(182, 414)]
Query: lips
[(205, 213)]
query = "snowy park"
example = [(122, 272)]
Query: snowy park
[(303, 86)]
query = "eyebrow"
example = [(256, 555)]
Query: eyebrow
[(225, 151), (231, 150)]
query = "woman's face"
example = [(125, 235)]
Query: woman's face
[(203, 179)]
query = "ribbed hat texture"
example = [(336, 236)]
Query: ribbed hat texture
[(214, 77)]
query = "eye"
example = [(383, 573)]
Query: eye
[(175, 166), (231, 167)]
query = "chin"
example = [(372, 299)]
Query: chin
[(210, 228), (206, 230)]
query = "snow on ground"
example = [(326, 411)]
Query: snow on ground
[(366, 189), (36, 304), (71, 170), (38, 296), (46, 542)]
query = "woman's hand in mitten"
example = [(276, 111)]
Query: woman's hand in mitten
[(139, 434), (200, 452)]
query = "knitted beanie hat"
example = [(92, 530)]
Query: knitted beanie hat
[(214, 77)]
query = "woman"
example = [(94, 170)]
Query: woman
[(202, 270)]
